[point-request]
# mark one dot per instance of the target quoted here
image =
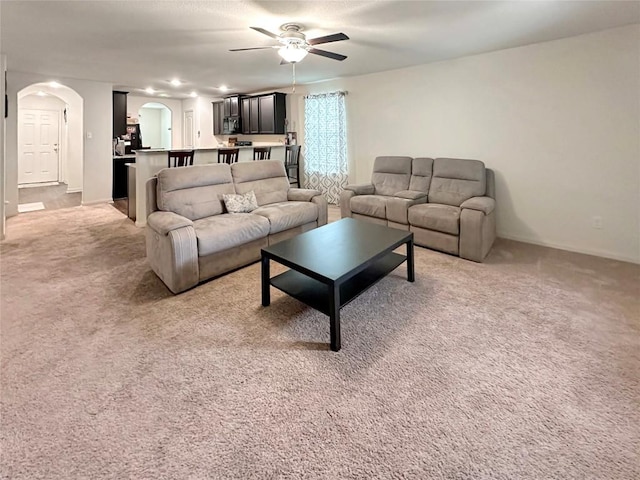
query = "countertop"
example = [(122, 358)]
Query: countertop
[(210, 149), (124, 157)]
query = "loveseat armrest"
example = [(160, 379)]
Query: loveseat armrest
[(398, 207), (361, 188), (165, 222), (482, 204), (411, 194), (302, 194)]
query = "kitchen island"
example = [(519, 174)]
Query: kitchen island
[(150, 162)]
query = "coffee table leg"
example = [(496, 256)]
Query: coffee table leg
[(266, 281), (411, 274), (334, 316)]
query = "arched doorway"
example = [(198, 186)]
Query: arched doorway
[(155, 125), (50, 140)]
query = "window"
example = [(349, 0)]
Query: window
[(326, 166)]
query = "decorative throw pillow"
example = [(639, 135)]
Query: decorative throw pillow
[(240, 203)]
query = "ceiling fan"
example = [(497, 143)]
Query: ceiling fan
[(294, 45)]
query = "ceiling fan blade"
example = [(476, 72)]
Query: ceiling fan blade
[(264, 32), (243, 49), (336, 37), (324, 53)]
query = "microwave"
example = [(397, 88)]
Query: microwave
[(231, 125)]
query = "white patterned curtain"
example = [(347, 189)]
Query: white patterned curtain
[(325, 144)]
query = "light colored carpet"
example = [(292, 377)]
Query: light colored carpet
[(527, 367)]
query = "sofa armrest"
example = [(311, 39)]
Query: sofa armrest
[(482, 204), (165, 222), (398, 208), (302, 194), (411, 194), (361, 188)]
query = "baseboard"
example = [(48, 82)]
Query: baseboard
[(97, 202), (74, 190), (570, 248)]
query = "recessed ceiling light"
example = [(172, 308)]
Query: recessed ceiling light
[(150, 90), (54, 84), (224, 88), (175, 82), (163, 95), (193, 94)]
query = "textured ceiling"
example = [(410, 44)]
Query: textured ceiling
[(139, 44)]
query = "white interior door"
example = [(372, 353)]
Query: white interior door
[(38, 137), (188, 129)]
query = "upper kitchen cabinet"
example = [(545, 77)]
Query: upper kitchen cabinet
[(231, 106), (272, 113), (264, 114), (218, 117), (119, 114)]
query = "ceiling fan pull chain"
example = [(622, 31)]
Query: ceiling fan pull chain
[(293, 90)]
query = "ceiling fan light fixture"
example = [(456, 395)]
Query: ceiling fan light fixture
[(292, 53)]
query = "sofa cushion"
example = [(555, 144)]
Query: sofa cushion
[(391, 175), (371, 205), (194, 192), (267, 178), (285, 215), (421, 173), (228, 230), (456, 180), (433, 216)]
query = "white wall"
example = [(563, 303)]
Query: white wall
[(557, 121), (135, 103), (3, 176), (165, 128), (97, 124), (150, 126)]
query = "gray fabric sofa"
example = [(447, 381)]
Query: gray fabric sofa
[(190, 237), (448, 203)]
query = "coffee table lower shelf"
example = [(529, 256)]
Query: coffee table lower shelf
[(316, 294)]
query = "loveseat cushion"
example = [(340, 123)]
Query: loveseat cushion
[(194, 192), (391, 174), (267, 178), (370, 205), (441, 218), (456, 180), (285, 215), (228, 230)]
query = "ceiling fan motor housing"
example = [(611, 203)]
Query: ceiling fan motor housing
[(292, 35)]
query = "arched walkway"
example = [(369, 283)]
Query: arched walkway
[(155, 125), (71, 148)]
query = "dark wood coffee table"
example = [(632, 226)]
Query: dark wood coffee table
[(333, 264)]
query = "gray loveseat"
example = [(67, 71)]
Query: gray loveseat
[(448, 203), (190, 237)]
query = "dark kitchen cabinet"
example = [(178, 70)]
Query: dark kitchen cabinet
[(119, 185), (119, 114), (264, 114), (218, 115), (254, 115), (231, 106), (245, 113), (272, 113)]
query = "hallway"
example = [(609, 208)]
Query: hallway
[(47, 197)]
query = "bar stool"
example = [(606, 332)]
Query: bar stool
[(180, 158), (261, 153), (292, 163), (228, 155)]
